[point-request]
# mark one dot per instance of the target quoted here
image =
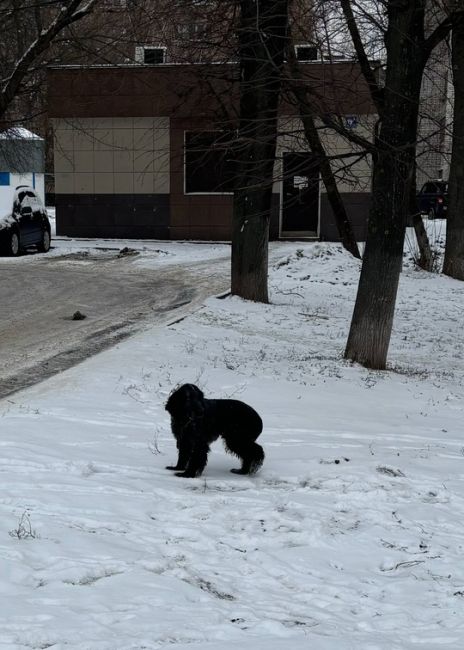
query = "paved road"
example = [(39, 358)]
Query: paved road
[(39, 295)]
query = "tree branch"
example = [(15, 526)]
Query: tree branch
[(375, 90), (74, 11), (437, 36)]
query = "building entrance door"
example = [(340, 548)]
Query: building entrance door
[(300, 195)]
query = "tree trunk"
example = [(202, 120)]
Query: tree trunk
[(262, 43), (342, 220), (372, 322), (300, 92), (454, 250), (250, 241), (425, 260)]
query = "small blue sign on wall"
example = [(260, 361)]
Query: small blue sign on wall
[(4, 178), (351, 121)]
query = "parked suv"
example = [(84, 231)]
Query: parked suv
[(432, 199), (26, 225)]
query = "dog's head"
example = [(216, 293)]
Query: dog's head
[(188, 400)]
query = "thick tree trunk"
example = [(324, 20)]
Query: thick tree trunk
[(262, 42), (372, 322), (454, 251), (250, 244)]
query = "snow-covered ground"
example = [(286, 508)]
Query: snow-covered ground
[(350, 537)]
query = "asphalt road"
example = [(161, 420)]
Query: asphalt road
[(40, 294)]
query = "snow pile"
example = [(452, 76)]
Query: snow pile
[(19, 133), (349, 537)]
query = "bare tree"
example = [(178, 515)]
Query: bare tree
[(30, 30), (407, 52), (454, 251)]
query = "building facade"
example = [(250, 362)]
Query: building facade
[(144, 152)]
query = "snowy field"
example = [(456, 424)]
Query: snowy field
[(350, 537)]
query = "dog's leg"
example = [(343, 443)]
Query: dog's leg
[(197, 461), (250, 453), (183, 455)]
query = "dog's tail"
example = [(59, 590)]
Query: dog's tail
[(257, 458)]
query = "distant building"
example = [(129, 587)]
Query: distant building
[(436, 109), (144, 151)]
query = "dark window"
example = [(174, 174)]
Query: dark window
[(153, 55), (306, 53), (209, 162)]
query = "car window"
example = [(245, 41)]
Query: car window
[(429, 188)]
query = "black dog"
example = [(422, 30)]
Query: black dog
[(196, 422)]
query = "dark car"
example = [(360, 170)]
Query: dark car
[(27, 225), (432, 199)]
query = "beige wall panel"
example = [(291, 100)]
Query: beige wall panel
[(123, 183), (161, 183), (143, 139), (143, 161), (103, 161), (145, 123), (83, 161), (105, 123), (64, 140), (104, 183), (112, 155), (162, 139), (161, 122), (103, 139), (64, 183), (84, 183), (123, 122), (63, 160), (83, 139), (161, 161), (143, 183), (123, 139), (82, 123), (123, 161)]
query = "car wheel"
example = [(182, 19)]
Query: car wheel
[(431, 214), (13, 244), (44, 245)]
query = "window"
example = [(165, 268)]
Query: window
[(209, 162), (150, 55), (306, 53), (153, 55), (4, 178)]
